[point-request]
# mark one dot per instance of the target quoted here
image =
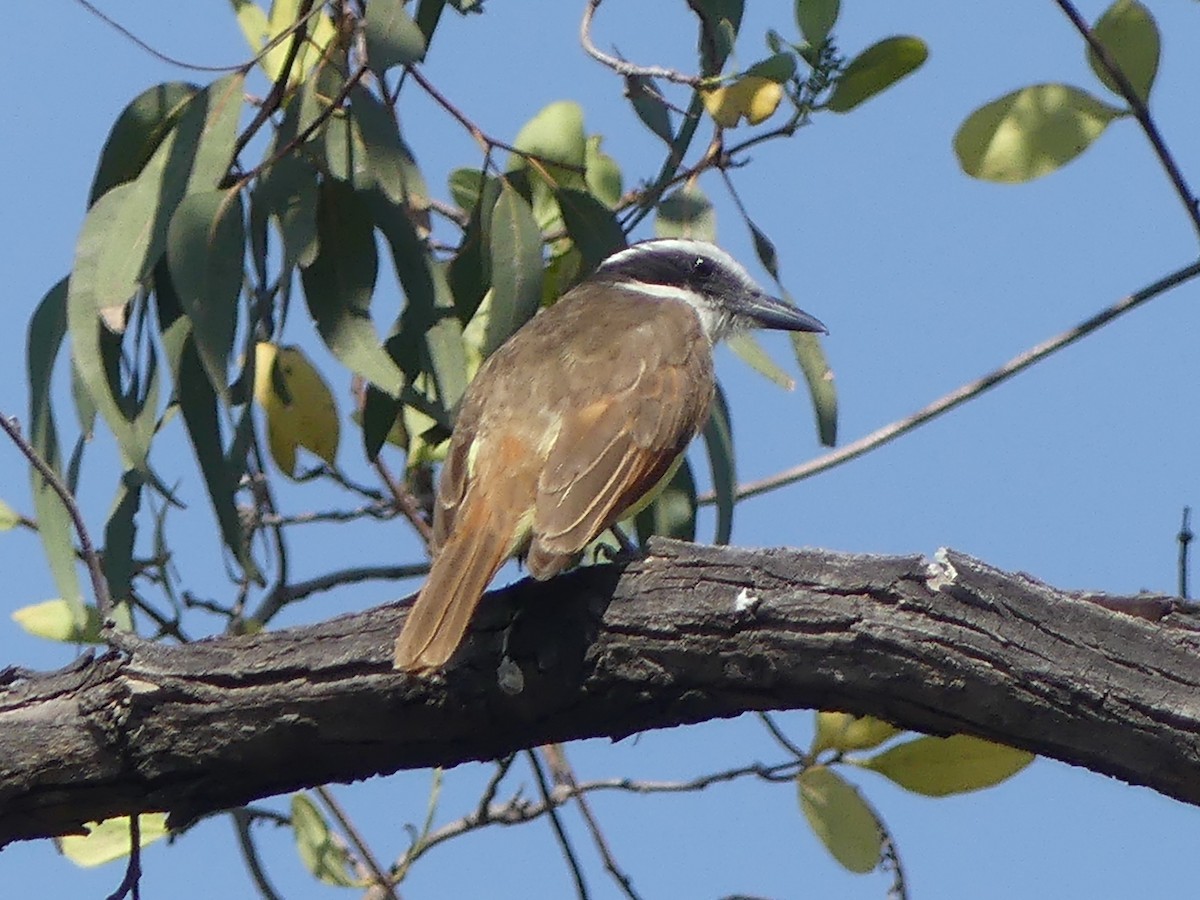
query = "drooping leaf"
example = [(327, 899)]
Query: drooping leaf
[(298, 406), (686, 213), (391, 163), (47, 328), (205, 252), (673, 512), (843, 731), (722, 21), (816, 18), (649, 105), (393, 38), (55, 620), (937, 766), (592, 227), (137, 132), (323, 855), (875, 70), (746, 346), (515, 242), (429, 13), (718, 440), (466, 185), (109, 840), (287, 192), (1030, 133), (120, 533), (1128, 33), (838, 816), (819, 378), (339, 283)]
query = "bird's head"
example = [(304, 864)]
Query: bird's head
[(712, 282)]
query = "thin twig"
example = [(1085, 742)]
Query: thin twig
[(623, 67), (1140, 111), (87, 549), (783, 739), (157, 54), (551, 807), (130, 884), (405, 502), (1185, 538), (378, 876), (966, 392), (242, 819)]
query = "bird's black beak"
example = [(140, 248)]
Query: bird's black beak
[(765, 311)]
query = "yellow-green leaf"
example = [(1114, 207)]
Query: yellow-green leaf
[(875, 70), (55, 620), (937, 767), (1128, 33), (819, 377), (843, 731), (9, 518), (816, 18), (1030, 133), (109, 840), (603, 174), (752, 96), (259, 30), (839, 817), (297, 403), (555, 135), (746, 346), (323, 855)]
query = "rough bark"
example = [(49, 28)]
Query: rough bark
[(688, 634)]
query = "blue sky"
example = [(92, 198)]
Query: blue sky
[(1075, 472)]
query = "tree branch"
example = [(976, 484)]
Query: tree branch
[(945, 647)]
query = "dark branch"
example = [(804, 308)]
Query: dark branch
[(953, 646)]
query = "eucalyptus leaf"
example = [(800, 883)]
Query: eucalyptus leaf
[(875, 70), (718, 440), (393, 38)]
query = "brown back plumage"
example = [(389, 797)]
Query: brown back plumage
[(565, 427)]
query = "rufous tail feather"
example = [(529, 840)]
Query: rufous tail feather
[(439, 618)]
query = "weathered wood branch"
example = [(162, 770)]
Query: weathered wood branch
[(1112, 684)]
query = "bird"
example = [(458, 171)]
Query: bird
[(574, 422)]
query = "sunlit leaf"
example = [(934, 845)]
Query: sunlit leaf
[(259, 30), (816, 18), (937, 766), (9, 518), (686, 213), (1030, 133), (752, 97), (843, 731), (55, 620), (603, 174), (109, 840), (137, 132), (515, 243), (718, 440), (322, 854), (205, 252), (339, 284), (1128, 33), (393, 38), (555, 135), (838, 816), (819, 378), (875, 70), (297, 404)]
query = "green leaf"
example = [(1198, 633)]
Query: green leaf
[(120, 533), (109, 840), (389, 160), (339, 283), (515, 244), (1030, 133), (673, 512), (466, 185), (322, 854), (722, 21), (838, 816), (816, 18), (1128, 32), (429, 13), (819, 378), (393, 38), (603, 174), (287, 192), (9, 518), (649, 105), (940, 766), (843, 731), (718, 440), (591, 225), (778, 67), (259, 31), (55, 620), (746, 346), (555, 135), (47, 328), (876, 69), (137, 133), (686, 213), (205, 252)]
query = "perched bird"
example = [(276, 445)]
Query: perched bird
[(575, 420)]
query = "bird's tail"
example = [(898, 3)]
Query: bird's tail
[(466, 563)]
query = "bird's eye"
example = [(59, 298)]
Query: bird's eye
[(702, 267)]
